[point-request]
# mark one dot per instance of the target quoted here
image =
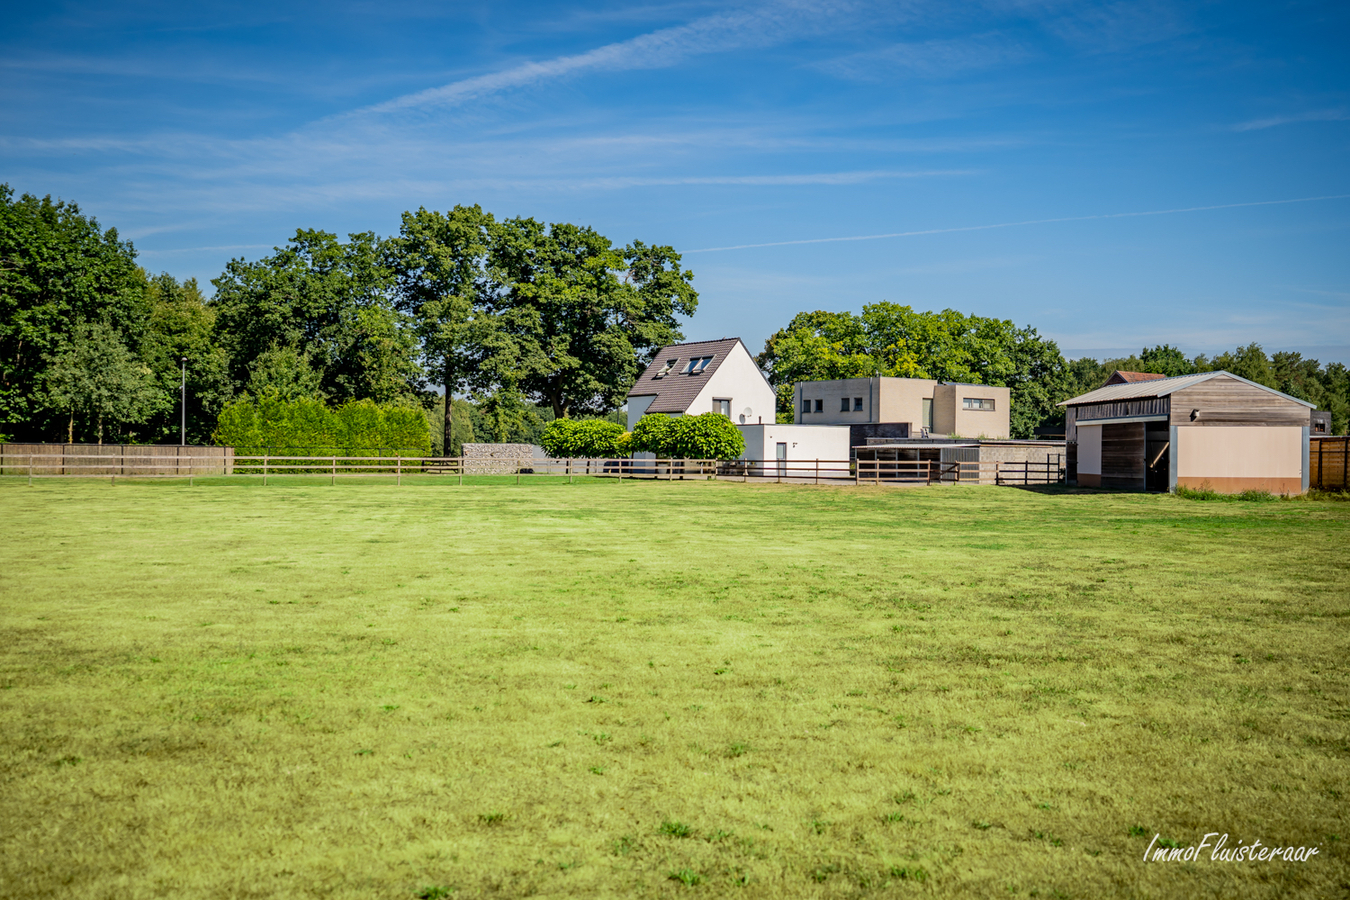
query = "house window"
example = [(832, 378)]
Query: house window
[(820, 406), (857, 404), (928, 413), (843, 405), (976, 403), (806, 406), (697, 365), (665, 370), (723, 407)]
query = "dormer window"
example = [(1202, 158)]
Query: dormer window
[(665, 370)]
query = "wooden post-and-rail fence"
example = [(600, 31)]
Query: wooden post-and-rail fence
[(58, 461)]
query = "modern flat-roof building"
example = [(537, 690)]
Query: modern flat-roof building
[(1211, 430), (903, 407)]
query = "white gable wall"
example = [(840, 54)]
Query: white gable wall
[(737, 379)]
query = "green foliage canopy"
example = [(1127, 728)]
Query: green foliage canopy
[(580, 317), (316, 318), (707, 436), (59, 271), (94, 374)]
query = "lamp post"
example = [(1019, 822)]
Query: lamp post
[(182, 432)]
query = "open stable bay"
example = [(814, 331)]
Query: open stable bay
[(666, 690)]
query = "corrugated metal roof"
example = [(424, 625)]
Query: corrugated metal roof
[(1162, 387), (675, 390)]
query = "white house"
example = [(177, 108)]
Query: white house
[(705, 376)]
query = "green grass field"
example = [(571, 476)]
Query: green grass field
[(665, 690)]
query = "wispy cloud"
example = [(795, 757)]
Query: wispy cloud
[(1316, 115), (928, 59), (1124, 215), (759, 27), (230, 247)]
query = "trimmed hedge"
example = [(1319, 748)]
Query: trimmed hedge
[(584, 439), (707, 436), (306, 427)]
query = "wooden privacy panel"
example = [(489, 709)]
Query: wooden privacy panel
[(114, 459), (1329, 463)]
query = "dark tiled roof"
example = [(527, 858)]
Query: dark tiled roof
[(676, 391), (1119, 377)]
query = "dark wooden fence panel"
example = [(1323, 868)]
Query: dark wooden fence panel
[(1329, 463)]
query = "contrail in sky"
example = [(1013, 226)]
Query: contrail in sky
[(1127, 215)]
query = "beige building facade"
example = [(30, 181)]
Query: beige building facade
[(967, 410)]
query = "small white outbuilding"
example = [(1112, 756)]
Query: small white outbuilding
[(794, 450)]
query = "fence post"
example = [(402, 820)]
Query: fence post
[(264, 470), (569, 470), (461, 471), (398, 470), (333, 479), (30, 470), (517, 471)]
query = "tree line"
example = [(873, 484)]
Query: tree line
[(518, 322), (528, 321)]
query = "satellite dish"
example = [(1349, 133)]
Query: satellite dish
[(747, 412)]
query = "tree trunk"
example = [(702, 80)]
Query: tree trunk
[(449, 413), (70, 428), (100, 430)]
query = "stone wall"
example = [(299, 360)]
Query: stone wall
[(1021, 451), (499, 459)]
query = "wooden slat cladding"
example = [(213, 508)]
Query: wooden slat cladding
[(1226, 401), (1329, 463), (1119, 409), (1123, 463)]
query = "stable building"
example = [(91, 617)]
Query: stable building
[(1213, 429)]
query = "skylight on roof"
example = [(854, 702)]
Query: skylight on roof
[(697, 365), (665, 370)]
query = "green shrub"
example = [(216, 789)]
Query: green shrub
[(707, 436), (583, 439), (654, 434), (305, 427)]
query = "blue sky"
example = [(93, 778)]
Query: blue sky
[(1157, 171)]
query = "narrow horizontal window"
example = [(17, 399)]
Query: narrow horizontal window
[(977, 403)]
